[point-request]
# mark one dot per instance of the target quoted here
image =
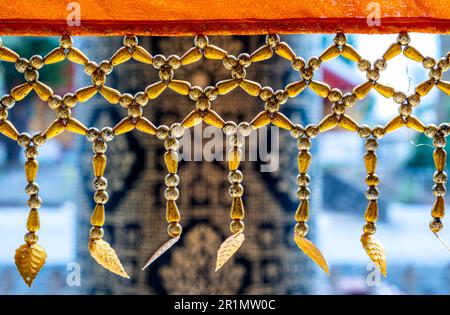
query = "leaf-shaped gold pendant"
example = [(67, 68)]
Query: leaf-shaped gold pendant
[(311, 251), (375, 251), (29, 261), (164, 248), (106, 256), (228, 248)]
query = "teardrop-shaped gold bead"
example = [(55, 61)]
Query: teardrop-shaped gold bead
[(444, 86), (21, 91), (302, 213), (414, 123), (304, 160), (192, 119), (213, 119), (425, 87), (214, 52), (33, 222), (394, 124), (439, 157), (31, 169), (328, 122), (413, 54), (350, 53), (99, 164), (370, 161), (172, 212), (385, 90), (262, 119), (171, 160), (192, 55), (251, 87), (237, 211), (76, 126), (142, 55), (226, 86), (8, 129), (56, 55), (392, 51), (347, 123), (262, 53), (330, 53), (7, 54), (179, 86), (145, 125), (235, 157), (438, 210), (75, 55), (124, 126), (122, 55), (295, 88), (98, 215), (43, 91), (281, 121), (362, 90), (84, 94), (320, 88), (371, 214), (155, 89), (54, 129), (283, 50), (110, 94)]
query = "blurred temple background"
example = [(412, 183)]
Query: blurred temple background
[(268, 262)]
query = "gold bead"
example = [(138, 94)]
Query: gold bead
[(110, 94), (413, 54), (302, 213), (77, 56), (171, 160), (179, 86), (283, 50), (392, 51), (370, 161), (281, 121), (192, 55), (237, 226), (56, 55), (251, 87), (320, 88), (124, 126), (262, 53), (438, 210), (214, 52), (155, 89), (172, 212), (304, 160), (98, 215), (8, 129), (394, 124), (84, 94), (213, 119), (301, 229), (122, 55), (347, 123), (384, 90), (174, 229), (425, 87), (33, 222), (439, 157), (362, 90), (328, 122), (237, 211), (294, 88), (99, 164), (330, 53), (350, 53), (144, 125), (225, 86), (235, 156)]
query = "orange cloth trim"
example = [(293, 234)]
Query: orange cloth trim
[(189, 17)]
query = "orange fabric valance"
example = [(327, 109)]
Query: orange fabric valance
[(188, 17)]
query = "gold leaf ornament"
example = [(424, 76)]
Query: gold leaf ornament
[(311, 251), (375, 251), (164, 248), (228, 248), (29, 261), (106, 256)]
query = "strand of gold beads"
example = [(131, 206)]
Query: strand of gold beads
[(30, 257), (99, 249), (372, 246)]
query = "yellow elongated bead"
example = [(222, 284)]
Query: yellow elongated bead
[(171, 160), (75, 55), (99, 164), (262, 119), (362, 90), (192, 55), (302, 213), (179, 86), (31, 169), (283, 50), (235, 157), (56, 55), (7, 54), (282, 121), (439, 157), (414, 123), (84, 94), (394, 124), (145, 125), (425, 87), (98, 215), (370, 162), (304, 160), (43, 91), (54, 129), (444, 86), (172, 212), (8, 129), (320, 88), (392, 51), (330, 53), (347, 123), (438, 210), (385, 90), (328, 122), (295, 88), (155, 89), (75, 126), (413, 54), (213, 119), (350, 53), (237, 211), (122, 55), (371, 214), (110, 94), (226, 86), (214, 52), (192, 119), (262, 53), (33, 221), (251, 87), (124, 126), (142, 55), (21, 91)]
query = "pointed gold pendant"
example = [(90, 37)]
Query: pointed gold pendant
[(228, 248), (311, 251), (164, 248), (106, 256), (29, 260), (375, 251)]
